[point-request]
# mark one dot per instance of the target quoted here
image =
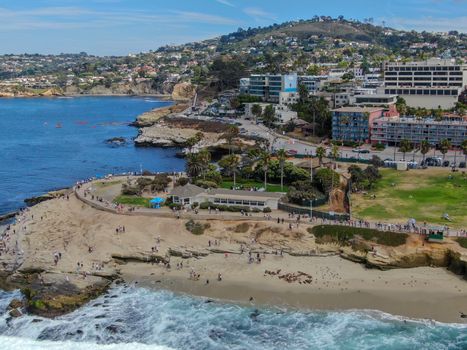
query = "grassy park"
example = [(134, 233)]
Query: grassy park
[(133, 200), (425, 195)]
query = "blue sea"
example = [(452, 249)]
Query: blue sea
[(50, 143), (37, 156)]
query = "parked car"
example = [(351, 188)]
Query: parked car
[(462, 165), (446, 163)]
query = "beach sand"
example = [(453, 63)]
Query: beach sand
[(327, 282)]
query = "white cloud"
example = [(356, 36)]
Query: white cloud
[(225, 2), (259, 14), (441, 24), (76, 18)]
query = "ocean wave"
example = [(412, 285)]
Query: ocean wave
[(160, 318), (14, 343)]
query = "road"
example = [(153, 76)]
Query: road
[(302, 147)]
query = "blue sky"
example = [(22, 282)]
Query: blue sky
[(119, 27)]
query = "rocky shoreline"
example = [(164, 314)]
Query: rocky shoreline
[(86, 235)]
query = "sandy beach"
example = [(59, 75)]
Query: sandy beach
[(84, 235)]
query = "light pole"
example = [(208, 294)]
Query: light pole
[(311, 183)]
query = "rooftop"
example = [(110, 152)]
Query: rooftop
[(358, 109), (188, 190)]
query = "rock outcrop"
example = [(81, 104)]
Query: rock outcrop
[(183, 92)]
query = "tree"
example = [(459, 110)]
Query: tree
[(269, 116), (320, 153), (193, 165), (444, 147), (231, 133), (226, 72), (424, 149), (303, 93), (282, 156), (197, 163), (335, 152), (256, 110), (464, 149), (404, 147), (264, 159), (231, 163), (326, 179)]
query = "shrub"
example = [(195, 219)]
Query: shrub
[(343, 234), (220, 207), (130, 190), (182, 181), (242, 228), (256, 210), (380, 147), (462, 241), (174, 206), (206, 184), (196, 228), (194, 205), (267, 210)]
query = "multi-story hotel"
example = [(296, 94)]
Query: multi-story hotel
[(431, 84), (390, 131)]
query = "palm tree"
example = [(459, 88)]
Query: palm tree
[(256, 110), (231, 133), (282, 156), (424, 149), (335, 153), (404, 147), (264, 159), (204, 158), (231, 163), (464, 149), (444, 147), (320, 153), (193, 165)]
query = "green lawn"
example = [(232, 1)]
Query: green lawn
[(133, 200), (421, 194), (252, 183)]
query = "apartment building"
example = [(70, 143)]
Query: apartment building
[(431, 84), (268, 86), (353, 123), (390, 131)]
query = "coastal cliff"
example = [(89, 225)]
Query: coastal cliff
[(62, 253)]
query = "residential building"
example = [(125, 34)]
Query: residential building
[(268, 87), (390, 131), (189, 194), (431, 84), (353, 123)]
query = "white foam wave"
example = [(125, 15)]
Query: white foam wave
[(13, 343)]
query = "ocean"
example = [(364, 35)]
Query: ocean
[(37, 156), (140, 319), (50, 143)]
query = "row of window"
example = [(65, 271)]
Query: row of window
[(421, 92), (239, 202), (423, 68)]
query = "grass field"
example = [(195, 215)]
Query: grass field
[(271, 187), (133, 200), (421, 194)]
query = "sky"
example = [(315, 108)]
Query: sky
[(120, 27)]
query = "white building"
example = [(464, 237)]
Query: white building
[(431, 84), (189, 194)]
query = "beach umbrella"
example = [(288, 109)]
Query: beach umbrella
[(156, 202)]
